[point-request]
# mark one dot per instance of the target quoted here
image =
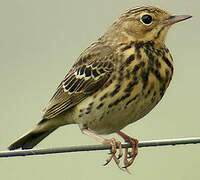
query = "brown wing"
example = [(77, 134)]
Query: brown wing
[(88, 75)]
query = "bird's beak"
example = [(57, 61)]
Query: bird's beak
[(174, 19)]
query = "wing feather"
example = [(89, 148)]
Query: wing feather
[(87, 76)]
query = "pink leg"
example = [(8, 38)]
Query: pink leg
[(133, 153), (114, 145)]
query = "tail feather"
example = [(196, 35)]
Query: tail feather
[(29, 140)]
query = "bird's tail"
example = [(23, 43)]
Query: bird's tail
[(31, 139)]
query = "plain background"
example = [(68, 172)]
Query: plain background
[(40, 40)]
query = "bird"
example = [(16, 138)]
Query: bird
[(115, 82)]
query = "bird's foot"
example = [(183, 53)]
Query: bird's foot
[(129, 156), (114, 145)]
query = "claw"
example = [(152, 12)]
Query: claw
[(126, 169), (107, 161), (120, 150), (129, 156), (126, 162), (114, 145)]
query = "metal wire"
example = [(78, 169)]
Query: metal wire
[(150, 143)]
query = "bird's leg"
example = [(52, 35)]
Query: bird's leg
[(129, 154), (114, 145)]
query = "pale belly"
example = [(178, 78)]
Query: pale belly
[(114, 113)]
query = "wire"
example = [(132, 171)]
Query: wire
[(150, 143)]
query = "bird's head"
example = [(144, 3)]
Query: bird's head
[(145, 24)]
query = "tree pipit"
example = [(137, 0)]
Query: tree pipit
[(114, 82)]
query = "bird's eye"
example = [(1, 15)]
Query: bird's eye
[(146, 19)]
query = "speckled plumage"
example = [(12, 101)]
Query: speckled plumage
[(114, 82)]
